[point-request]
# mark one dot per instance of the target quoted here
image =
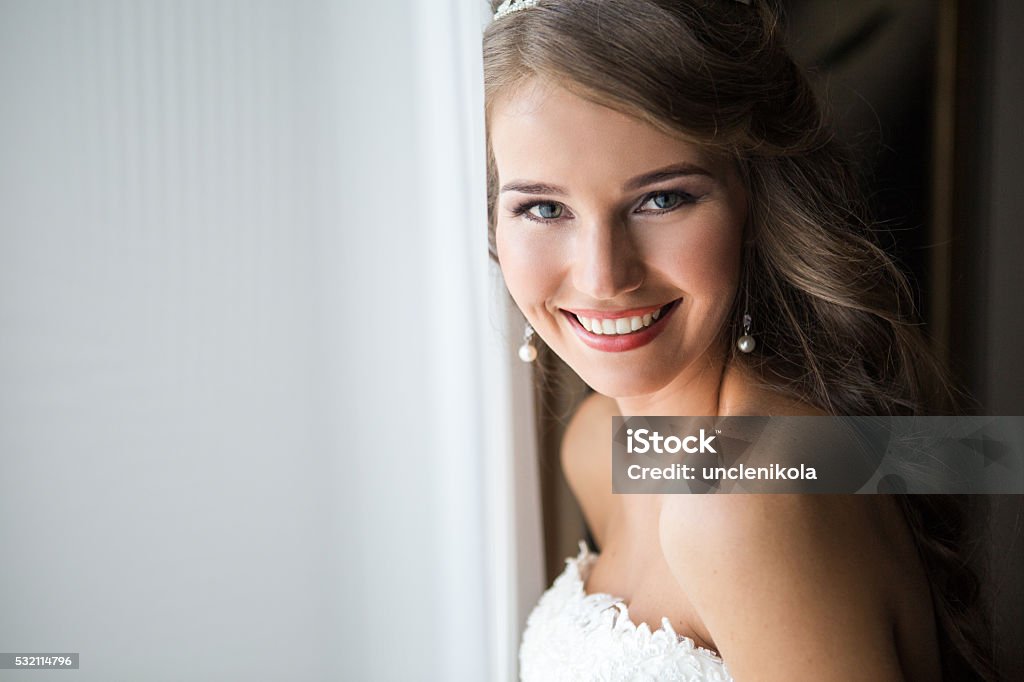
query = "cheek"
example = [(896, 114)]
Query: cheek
[(704, 261), (531, 264), (716, 268)]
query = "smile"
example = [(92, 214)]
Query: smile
[(620, 325), (620, 331)]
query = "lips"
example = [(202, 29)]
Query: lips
[(618, 331)]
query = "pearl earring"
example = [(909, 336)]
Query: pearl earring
[(746, 343), (527, 351)]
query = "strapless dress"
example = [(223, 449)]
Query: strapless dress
[(572, 635)]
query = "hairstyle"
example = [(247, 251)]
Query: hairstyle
[(832, 312)]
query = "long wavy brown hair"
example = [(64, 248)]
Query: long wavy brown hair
[(833, 314)]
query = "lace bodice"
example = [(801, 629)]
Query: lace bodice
[(572, 635)]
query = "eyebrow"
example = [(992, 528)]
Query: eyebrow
[(666, 173)]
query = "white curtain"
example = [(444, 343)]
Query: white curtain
[(259, 417)]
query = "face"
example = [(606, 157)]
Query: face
[(619, 243)]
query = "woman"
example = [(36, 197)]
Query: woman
[(677, 223)]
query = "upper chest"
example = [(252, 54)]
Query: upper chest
[(632, 567)]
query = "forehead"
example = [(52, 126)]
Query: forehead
[(542, 131)]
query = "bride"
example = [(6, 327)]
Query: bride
[(676, 221)]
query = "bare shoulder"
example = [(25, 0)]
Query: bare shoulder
[(849, 526), (789, 583), (586, 459), (779, 581)]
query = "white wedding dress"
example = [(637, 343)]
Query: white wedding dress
[(572, 635)]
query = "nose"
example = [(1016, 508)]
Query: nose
[(607, 262)]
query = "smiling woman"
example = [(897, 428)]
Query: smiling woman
[(606, 223), (677, 222)]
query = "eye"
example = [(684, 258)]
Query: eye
[(662, 202), (546, 211), (541, 211)]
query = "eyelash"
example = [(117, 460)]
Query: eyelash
[(687, 200)]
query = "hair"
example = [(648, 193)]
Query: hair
[(833, 314)]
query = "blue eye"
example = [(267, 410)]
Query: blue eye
[(540, 211), (658, 202), (546, 211)]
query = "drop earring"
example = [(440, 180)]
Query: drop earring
[(527, 351), (746, 343)]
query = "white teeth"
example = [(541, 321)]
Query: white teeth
[(656, 314), (589, 324), (618, 325)]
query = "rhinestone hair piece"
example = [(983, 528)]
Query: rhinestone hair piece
[(511, 6)]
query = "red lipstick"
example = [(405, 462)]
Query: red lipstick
[(614, 314), (617, 343)]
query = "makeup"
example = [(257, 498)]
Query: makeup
[(621, 342)]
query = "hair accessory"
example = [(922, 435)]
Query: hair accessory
[(746, 343), (510, 6), (527, 351)]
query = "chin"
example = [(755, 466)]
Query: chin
[(622, 383)]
